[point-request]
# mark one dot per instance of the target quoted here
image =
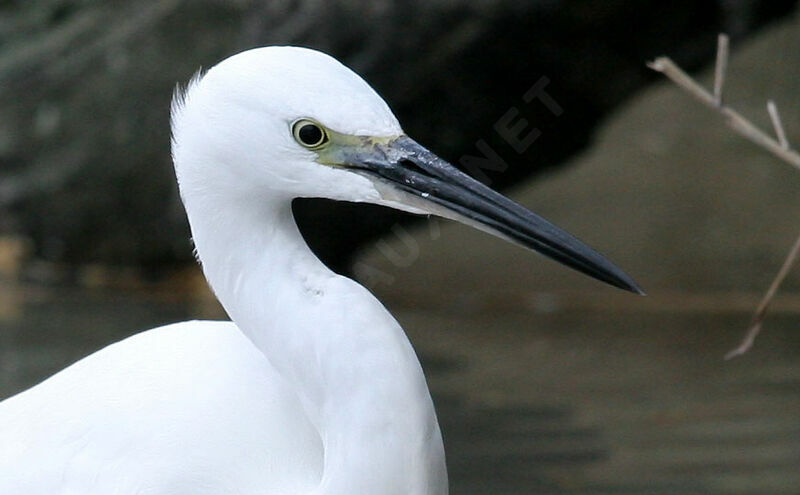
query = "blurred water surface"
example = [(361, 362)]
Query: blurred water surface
[(581, 402)]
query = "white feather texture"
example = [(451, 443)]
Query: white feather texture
[(314, 389)]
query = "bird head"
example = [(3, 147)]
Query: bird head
[(277, 123)]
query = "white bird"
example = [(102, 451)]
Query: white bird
[(313, 388)]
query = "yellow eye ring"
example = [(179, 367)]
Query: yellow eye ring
[(309, 134)]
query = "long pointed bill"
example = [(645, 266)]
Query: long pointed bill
[(419, 179)]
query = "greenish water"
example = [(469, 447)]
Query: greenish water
[(585, 402)]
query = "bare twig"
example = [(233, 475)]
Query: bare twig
[(779, 147), (763, 306), (666, 66), (735, 120), (721, 67), (772, 109)]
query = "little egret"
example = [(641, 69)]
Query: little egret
[(313, 388)]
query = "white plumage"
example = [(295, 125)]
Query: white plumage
[(315, 389)]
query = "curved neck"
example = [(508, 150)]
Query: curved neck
[(350, 362)]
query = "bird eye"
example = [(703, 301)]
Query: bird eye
[(309, 133)]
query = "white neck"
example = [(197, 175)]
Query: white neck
[(352, 365)]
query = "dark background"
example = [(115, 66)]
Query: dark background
[(85, 174)]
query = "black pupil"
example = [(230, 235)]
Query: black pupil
[(310, 134)]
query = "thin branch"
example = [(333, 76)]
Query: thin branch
[(763, 306), (721, 67), (772, 109), (735, 120), (666, 66), (779, 147)]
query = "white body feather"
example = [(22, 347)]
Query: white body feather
[(314, 390)]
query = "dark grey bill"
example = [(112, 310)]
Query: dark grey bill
[(407, 165)]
